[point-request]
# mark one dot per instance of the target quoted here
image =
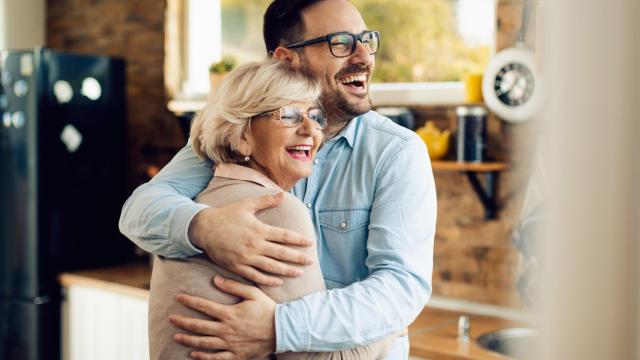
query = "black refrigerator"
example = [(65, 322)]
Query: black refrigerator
[(62, 185)]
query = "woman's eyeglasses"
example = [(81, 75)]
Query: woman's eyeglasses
[(291, 116), (343, 44)]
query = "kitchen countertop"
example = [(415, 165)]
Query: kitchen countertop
[(433, 334), (131, 279)]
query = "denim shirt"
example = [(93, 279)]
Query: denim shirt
[(372, 200)]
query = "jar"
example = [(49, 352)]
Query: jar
[(472, 133)]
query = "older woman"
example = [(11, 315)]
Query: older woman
[(262, 130)]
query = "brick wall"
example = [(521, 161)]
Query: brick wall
[(133, 30), (474, 258)]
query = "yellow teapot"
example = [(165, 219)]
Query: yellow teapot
[(437, 140)]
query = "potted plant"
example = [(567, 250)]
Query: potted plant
[(218, 70)]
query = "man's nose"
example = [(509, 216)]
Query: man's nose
[(361, 55)]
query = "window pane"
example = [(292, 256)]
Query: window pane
[(430, 40), (422, 40), (242, 29)]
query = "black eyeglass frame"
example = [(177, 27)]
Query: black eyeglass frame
[(327, 39), (278, 112)]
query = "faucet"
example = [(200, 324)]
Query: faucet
[(464, 324)]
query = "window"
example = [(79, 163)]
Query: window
[(427, 45)]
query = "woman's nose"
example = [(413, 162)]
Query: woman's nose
[(307, 126)]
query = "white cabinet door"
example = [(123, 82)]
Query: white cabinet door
[(104, 325)]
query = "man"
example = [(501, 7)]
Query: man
[(371, 197)]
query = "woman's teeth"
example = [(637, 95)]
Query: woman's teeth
[(299, 151)]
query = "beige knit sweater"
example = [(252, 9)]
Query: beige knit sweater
[(194, 275)]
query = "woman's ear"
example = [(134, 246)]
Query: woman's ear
[(289, 55), (244, 148), (243, 144)]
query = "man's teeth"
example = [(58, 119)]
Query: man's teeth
[(354, 78)]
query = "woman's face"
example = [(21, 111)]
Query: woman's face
[(284, 153)]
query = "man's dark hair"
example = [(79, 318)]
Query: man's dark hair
[(283, 22)]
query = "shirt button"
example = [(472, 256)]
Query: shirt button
[(343, 225), (309, 205), (315, 162)]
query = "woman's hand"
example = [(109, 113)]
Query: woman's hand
[(235, 239), (245, 330)]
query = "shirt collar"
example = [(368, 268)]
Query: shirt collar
[(349, 131), (239, 172)]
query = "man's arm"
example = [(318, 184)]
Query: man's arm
[(400, 262), (161, 218), (292, 215), (157, 215)]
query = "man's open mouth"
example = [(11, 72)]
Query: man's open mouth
[(354, 81)]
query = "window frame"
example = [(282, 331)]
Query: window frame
[(382, 94)]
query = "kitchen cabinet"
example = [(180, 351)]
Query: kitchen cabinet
[(103, 321)]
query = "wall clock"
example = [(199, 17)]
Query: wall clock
[(511, 86)]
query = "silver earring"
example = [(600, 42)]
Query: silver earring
[(246, 158)]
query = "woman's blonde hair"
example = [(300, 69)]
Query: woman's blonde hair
[(248, 90)]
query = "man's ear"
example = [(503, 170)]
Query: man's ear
[(289, 55)]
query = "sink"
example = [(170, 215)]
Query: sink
[(514, 342)]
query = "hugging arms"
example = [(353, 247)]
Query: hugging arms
[(370, 195)]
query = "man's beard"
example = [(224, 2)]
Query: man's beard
[(332, 98), (334, 101)]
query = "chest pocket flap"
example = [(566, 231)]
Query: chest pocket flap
[(344, 220)]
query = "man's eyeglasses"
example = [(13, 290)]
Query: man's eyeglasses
[(343, 44), (291, 116)]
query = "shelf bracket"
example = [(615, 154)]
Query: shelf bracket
[(488, 193)]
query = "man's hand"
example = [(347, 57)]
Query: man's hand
[(245, 330), (235, 239)]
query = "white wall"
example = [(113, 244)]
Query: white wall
[(22, 23), (590, 258)]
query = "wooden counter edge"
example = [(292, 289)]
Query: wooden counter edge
[(134, 284)]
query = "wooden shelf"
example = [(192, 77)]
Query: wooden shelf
[(469, 166), (487, 192)]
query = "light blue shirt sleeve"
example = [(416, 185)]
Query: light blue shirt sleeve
[(157, 215), (400, 263)]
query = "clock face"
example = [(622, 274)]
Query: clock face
[(514, 84)]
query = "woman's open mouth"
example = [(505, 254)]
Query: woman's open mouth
[(300, 152)]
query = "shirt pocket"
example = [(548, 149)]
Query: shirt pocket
[(344, 245)]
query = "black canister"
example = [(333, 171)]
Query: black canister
[(472, 133), (399, 115)]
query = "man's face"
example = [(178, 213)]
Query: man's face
[(345, 80)]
